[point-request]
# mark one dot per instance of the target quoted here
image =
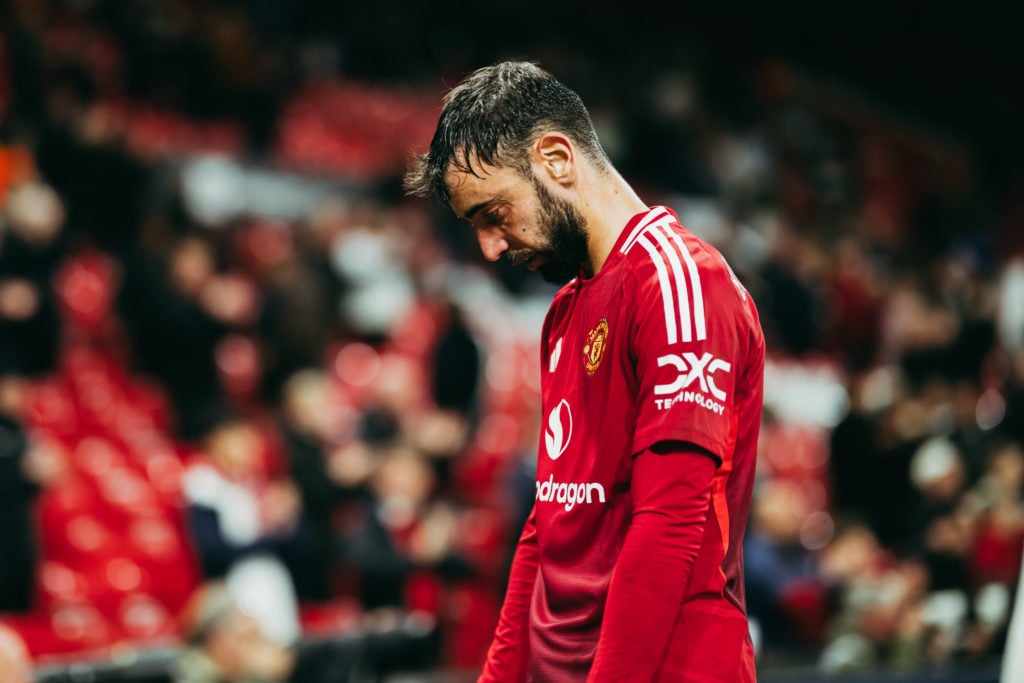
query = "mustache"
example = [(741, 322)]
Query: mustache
[(520, 256)]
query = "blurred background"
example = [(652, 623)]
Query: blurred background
[(261, 414)]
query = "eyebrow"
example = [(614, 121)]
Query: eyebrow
[(472, 211)]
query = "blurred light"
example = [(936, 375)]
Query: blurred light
[(878, 390), (144, 617), (817, 530), (77, 622), (805, 393), (992, 604), (35, 212), (849, 651), (96, 456), (99, 402), (213, 189), (990, 411), (498, 434), (154, 537), (165, 473), (814, 494), (704, 218), (936, 458), (529, 375), (62, 582), (502, 369), (945, 609), (123, 574), (1010, 318), (238, 359), (87, 534), (419, 623), (357, 364), (125, 488), (263, 589)]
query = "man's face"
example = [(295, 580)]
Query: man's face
[(520, 220)]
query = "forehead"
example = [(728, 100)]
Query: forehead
[(489, 183)]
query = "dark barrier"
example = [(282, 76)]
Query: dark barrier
[(983, 674), (362, 657), (153, 668)]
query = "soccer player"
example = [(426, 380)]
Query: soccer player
[(629, 567)]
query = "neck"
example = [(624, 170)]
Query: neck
[(607, 204)]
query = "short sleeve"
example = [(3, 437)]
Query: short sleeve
[(686, 343)]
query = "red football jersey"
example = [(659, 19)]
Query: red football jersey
[(663, 344)]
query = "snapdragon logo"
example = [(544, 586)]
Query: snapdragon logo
[(559, 431), (569, 494)]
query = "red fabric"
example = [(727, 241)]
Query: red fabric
[(671, 497), (509, 654), (709, 644), (996, 555), (663, 345)]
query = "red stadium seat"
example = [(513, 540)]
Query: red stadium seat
[(79, 628), (60, 584), (51, 408), (86, 285), (144, 619)]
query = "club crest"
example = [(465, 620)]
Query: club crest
[(593, 350)]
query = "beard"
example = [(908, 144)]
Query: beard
[(566, 250)]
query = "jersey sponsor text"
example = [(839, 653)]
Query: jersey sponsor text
[(569, 494), (694, 397), (693, 369)]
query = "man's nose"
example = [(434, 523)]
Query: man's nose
[(492, 244)]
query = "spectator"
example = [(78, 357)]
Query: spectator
[(24, 468), (227, 645), (938, 472), (876, 249), (301, 294), (784, 590), (29, 249), (178, 316), (237, 509), (403, 529), (879, 619), (324, 481), (224, 644), (455, 366)]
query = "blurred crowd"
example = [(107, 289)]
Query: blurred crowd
[(321, 399)]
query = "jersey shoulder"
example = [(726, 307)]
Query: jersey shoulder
[(690, 278), (668, 245)]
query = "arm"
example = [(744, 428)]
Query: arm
[(508, 656), (671, 488)]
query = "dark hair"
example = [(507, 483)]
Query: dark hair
[(492, 117)]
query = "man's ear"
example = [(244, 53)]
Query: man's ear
[(554, 155)]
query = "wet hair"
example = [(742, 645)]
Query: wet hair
[(492, 117)]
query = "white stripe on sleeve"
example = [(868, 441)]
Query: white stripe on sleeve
[(698, 293), (653, 215), (659, 231), (666, 289)]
